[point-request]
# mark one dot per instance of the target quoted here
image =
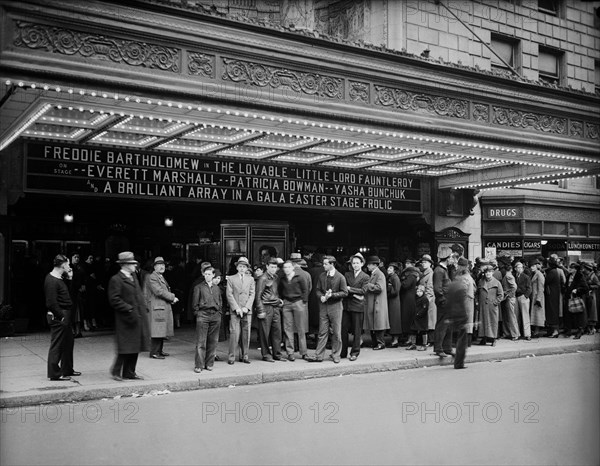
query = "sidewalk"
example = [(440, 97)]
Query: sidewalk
[(23, 366)]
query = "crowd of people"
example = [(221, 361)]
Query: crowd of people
[(318, 301)]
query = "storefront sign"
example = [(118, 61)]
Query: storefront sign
[(503, 213), (532, 245), (112, 172), (571, 246), (504, 244)]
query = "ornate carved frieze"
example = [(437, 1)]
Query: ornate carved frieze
[(405, 100), (517, 118), (257, 74), (97, 46), (576, 128), (481, 112), (359, 92), (592, 130), (201, 64)]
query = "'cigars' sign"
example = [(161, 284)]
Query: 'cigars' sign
[(112, 172)]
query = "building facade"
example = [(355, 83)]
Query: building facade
[(197, 129)]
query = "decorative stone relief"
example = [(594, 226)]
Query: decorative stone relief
[(576, 128), (592, 130), (68, 42), (546, 123), (256, 74), (481, 112), (201, 64), (405, 100), (359, 91)]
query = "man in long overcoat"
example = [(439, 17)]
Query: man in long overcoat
[(126, 298), (376, 312), (538, 305), (160, 314)]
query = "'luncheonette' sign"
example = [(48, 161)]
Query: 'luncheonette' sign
[(112, 172)]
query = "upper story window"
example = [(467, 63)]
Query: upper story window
[(505, 47), (549, 65), (550, 7)]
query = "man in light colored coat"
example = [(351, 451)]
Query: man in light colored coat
[(240, 296), (160, 314), (538, 309), (376, 312)]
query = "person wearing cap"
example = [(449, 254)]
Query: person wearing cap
[(555, 282), (376, 313), (127, 300), (523, 294), (354, 306), (591, 304), (441, 282), (268, 312), (538, 313), (510, 326), (331, 290), (490, 295), (460, 309), (240, 297), (208, 307), (426, 264), (393, 297), (159, 299), (59, 307)]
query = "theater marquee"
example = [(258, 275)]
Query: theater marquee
[(111, 172)]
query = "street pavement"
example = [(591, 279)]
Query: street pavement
[(23, 366), (537, 411)]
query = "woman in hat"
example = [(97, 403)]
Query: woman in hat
[(409, 279), (538, 312), (577, 287), (393, 297), (555, 281), (159, 299), (490, 294), (591, 301)]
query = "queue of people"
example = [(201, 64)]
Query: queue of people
[(411, 305)]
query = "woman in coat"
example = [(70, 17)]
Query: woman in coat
[(490, 295), (538, 300), (160, 315), (393, 297), (408, 302), (577, 287), (555, 281), (591, 303)]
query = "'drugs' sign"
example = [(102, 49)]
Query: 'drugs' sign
[(112, 172)]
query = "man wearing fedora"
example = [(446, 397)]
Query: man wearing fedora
[(126, 298), (240, 296), (441, 283), (354, 306), (376, 313), (426, 266), (158, 300)]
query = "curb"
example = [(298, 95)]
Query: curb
[(329, 370)]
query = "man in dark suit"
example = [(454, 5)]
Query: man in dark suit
[(126, 298), (523, 294), (354, 306), (240, 297), (331, 289)]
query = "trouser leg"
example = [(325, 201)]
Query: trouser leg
[(275, 333), (57, 335), (117, 368), (212, 339), (264, 331), (461, 345), (155, 344), (201, 347), (299, 310), (336, 327), (323, 333), (234, 335), (288, 327), (130, 361), (246, 328), (356, 322)]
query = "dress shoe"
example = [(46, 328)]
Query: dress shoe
[(278, 358), (493, 342), (75, 374), (395, 345), (578, 335), (441, 354), (450, 353), (162, 353), (314, 360), (514, 339), (353, 358), (63, 378), (462, 366), (197, 370), (482, 342), (527, 338), (118, 378), (209, 368), (422, 348), (268, 359), (411, 347), (230, 363), (336, 360), (379, 347), (135, 377), (156, 356), (291, 358), (305, 357), (246, 361)]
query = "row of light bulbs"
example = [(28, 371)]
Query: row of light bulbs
[(307, 123)]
